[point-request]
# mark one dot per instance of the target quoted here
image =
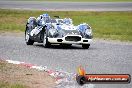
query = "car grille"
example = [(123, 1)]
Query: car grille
[(73, 38)]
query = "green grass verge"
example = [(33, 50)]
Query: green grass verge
[(109, 25), (82, 0), (7, 85)]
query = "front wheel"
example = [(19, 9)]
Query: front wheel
[(46, 44), (85, 46), (27, 38)]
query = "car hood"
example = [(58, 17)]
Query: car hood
[(67, 29)]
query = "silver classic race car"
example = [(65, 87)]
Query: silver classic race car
[(57, 31)]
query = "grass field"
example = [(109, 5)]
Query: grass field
[(108, 25), (83, 0), (8, 85)]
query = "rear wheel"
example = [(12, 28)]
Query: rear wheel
[(46, 44), (85, 46), (27, 38)]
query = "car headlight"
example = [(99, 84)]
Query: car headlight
[(53, 32), (88, 34), (85, 30), (88, 31)]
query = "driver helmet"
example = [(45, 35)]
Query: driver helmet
[(67, 21), (46, 17)]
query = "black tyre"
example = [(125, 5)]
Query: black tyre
[(81, 80), (46, 44), (27, 38), (85, 46)]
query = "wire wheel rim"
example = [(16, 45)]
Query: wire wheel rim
[(44, 41), (27, 36)]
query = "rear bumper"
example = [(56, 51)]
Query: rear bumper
[(64, 41)]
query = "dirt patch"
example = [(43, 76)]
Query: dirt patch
[(31, 78)]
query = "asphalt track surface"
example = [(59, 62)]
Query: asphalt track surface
[(67, 6), (103, 57)]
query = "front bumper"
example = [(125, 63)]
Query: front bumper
[(75, 39)]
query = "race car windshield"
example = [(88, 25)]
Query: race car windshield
[(53, 21), (67, 21), (50, 21), (60, 21)]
